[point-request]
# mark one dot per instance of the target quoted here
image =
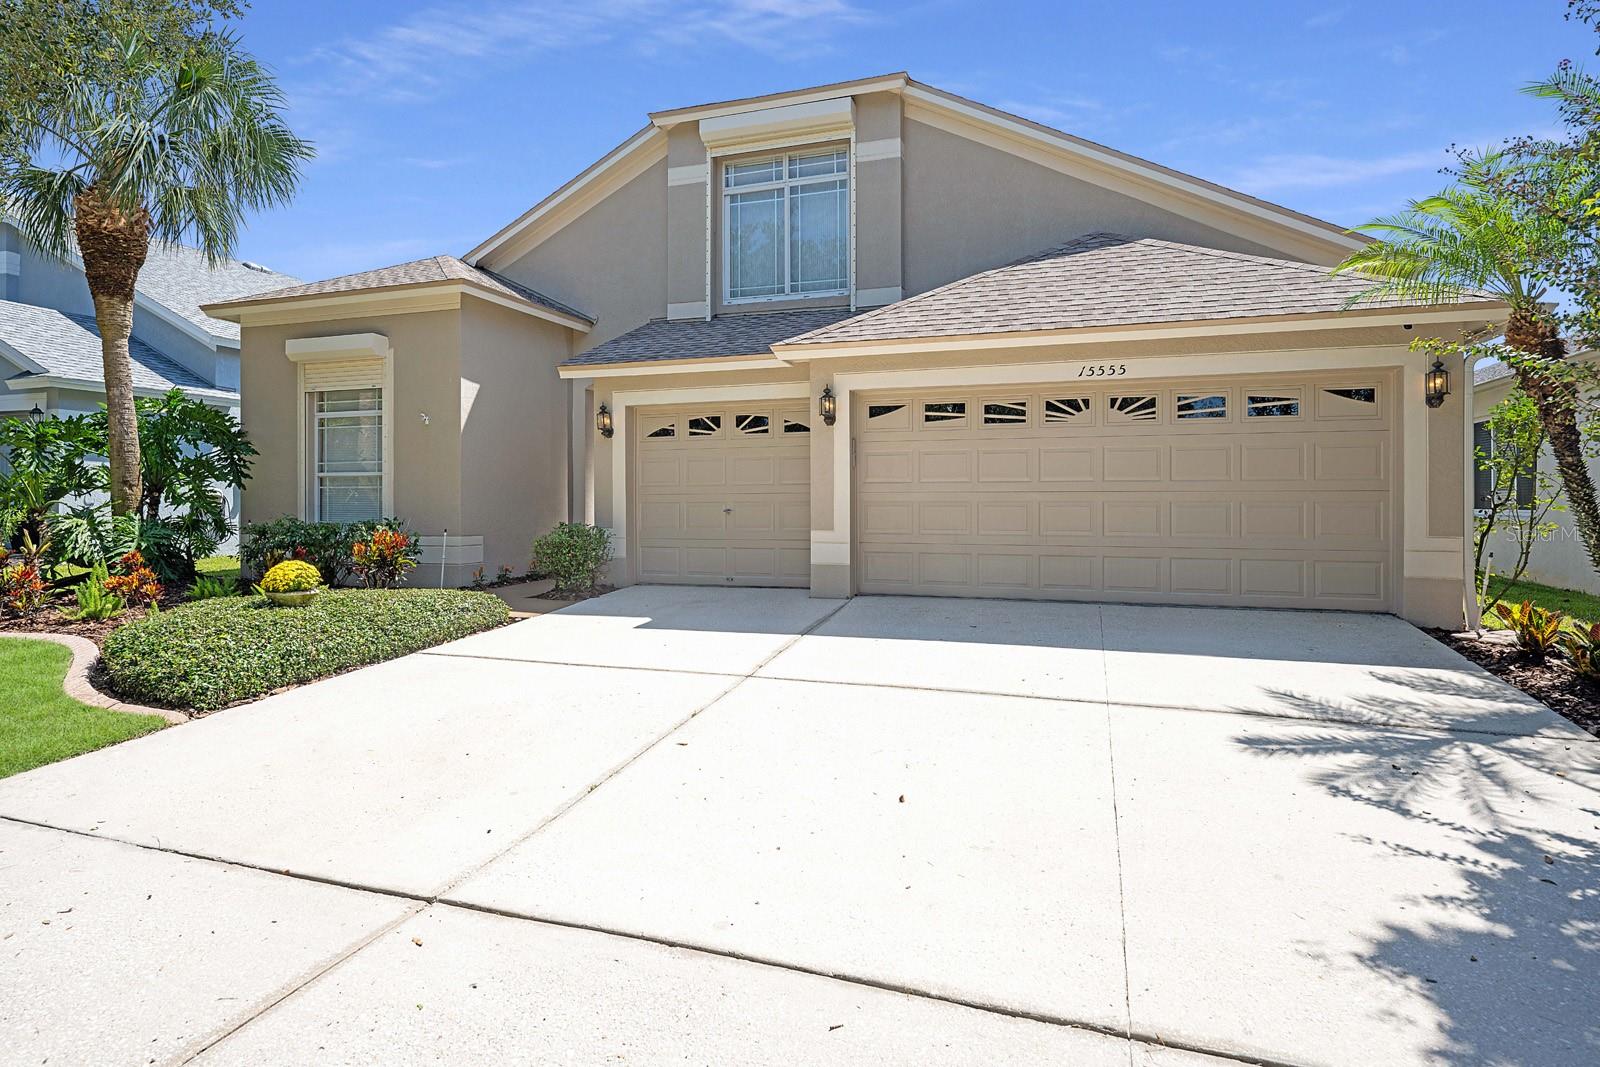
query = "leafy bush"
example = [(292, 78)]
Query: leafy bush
[(214, 653), (383, 557), (23, 589), (573, 554), (1582, 646), (327, 546), (205, 588), (1536, 629), (291, 576), (134, 581), (95, 601)]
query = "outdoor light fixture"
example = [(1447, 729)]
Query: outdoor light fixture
[(602, 422), (1436, 384), (828, 406), (34, 411)]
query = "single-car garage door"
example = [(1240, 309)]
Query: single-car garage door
[(1275, 491), (723, 494)]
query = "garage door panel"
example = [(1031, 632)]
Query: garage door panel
[(721, 498), (1275, 501)]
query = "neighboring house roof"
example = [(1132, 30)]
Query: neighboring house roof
[(1141, 172), (52, 344), (433, 270), (753, 333), (179, 279), (1107, 279), (1490, 372)]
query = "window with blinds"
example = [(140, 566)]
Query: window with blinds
[(347, 454), (1483, 474)]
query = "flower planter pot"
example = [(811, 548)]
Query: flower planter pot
[(296, 599)]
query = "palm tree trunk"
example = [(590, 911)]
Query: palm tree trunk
[(113, 242), (1557, 401)]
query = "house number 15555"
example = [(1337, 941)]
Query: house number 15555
[(1102, 370)]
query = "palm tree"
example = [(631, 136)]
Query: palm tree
[(150, 150), (1473, 240)]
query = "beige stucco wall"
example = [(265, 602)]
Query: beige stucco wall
[(513, 427), (610, 262), (969, 207), (427, 354)]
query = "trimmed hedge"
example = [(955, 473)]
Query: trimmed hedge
[(213, 653)]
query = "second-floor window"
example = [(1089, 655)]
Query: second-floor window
[(788, 225)]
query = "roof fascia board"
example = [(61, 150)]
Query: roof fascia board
[(1094, 162), (670, 366), (94, 385), (699, 112), (602, 178), (527, 307), (442, 295), (1092, 335)]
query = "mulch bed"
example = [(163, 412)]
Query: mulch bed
[(1551, 682), (53, 620)]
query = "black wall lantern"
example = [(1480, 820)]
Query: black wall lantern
[(1436, 384), (603, 423), (828, 406)]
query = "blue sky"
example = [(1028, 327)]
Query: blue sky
[(438, 123)]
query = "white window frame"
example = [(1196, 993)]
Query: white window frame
[(363, 346), (315, 420), (787, 183)]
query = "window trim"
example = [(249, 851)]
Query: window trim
[(786, 183)]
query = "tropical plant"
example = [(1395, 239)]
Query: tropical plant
[(135, 582), (1536, 629), (1582, 646), (49, 463), (145, 145), (205, 588), (573, 554), (291, 576), (189, 452), (96, 602), (382, 558), (23, 589), (1472, 240)]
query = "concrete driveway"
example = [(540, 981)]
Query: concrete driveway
[(743, 826)]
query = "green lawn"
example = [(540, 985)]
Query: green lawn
[(1584, 607), (39, 723), (224, 567)]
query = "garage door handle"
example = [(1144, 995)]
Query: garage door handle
[(727, 511)]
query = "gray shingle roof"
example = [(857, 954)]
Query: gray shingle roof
[(180, 279), (68, 346), (1490, 372), (752, 333), (1106, 279), (420, 272)]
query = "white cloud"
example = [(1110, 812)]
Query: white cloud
[(1324, 19), (433, 163), (1275, 173), (427, 52)]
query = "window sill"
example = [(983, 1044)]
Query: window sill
[(788, 298)]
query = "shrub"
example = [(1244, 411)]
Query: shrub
[(1582, 646), (214, 653), (327, 546), (95, 601), (23, 589), (383, 557), (291, 576), (573, 554), (135, 583), (1536, 629), (205, 588)]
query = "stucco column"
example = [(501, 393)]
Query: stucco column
[(688, 177), (830, 524)]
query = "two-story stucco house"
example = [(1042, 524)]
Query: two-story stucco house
[(873, 337)]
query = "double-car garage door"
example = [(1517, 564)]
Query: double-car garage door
[(1268, 490)]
